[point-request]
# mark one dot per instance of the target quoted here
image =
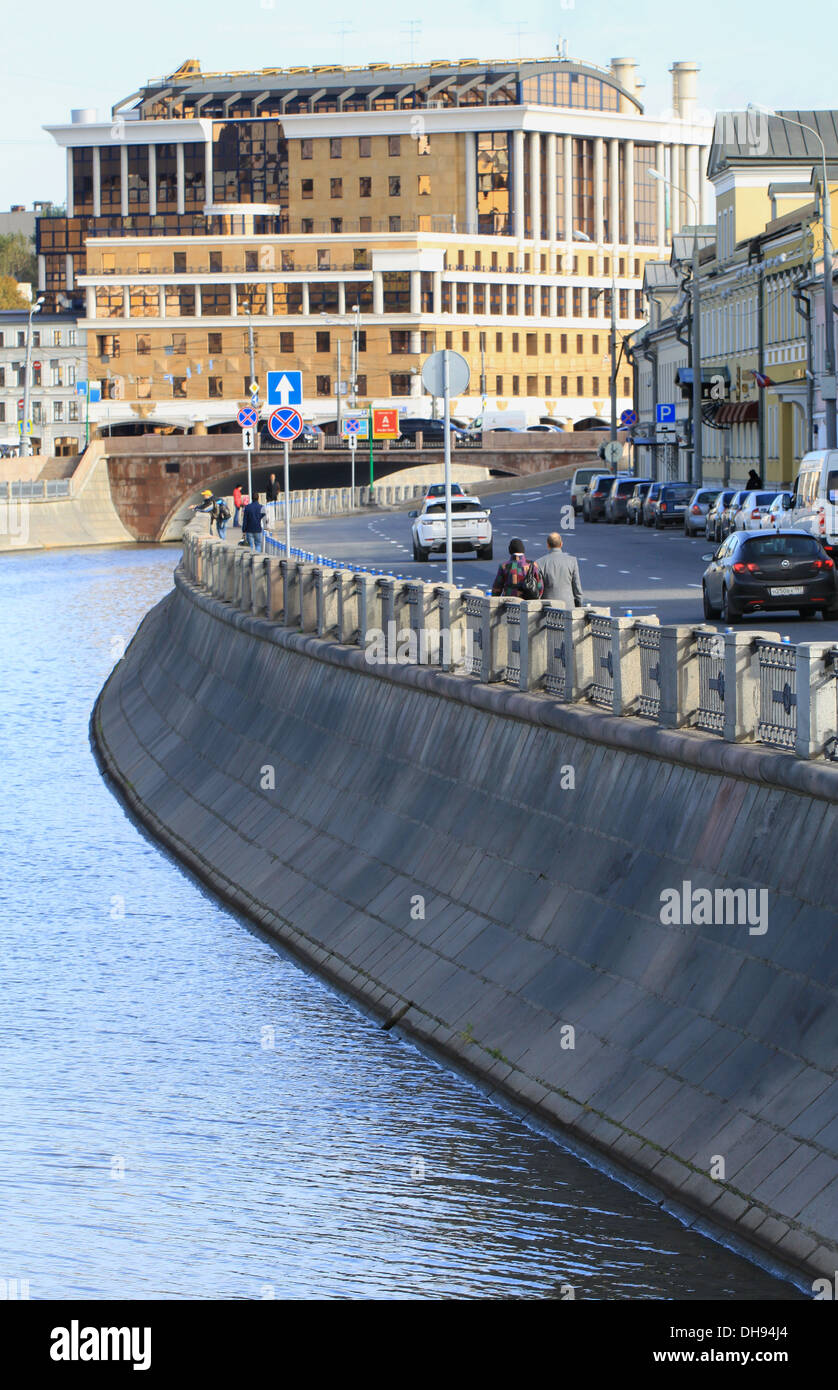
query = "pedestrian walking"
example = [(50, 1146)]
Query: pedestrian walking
[(271, 495), (237, 503), (518, 577), (222, 516), (560, 572), (754, 482), (254, 518)]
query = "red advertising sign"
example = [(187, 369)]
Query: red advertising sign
[(385, 424)]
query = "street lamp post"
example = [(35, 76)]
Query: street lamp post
[(27, 381), (698, 460), (828, 386)]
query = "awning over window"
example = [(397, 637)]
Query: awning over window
[(737, 412)]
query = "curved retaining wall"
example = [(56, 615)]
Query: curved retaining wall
[(422, 847)]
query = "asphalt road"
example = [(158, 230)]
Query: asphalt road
[(627, 568)]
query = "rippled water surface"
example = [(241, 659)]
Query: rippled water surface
[(187, 1113)]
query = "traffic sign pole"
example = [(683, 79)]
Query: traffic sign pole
[(446, 416), (286, 447), (353, 444), (371, 477)]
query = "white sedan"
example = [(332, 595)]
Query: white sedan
[(777, 516), (754, 505), (471, 528)]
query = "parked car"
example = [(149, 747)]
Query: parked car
[(634, 505), (728, 513), (650, 503), (544, 429), (672, 504), (754, 572), (778, 515), (695, 516), (578, 484), (616, 503), (714, 515), (816, 498), (432, 431), (471, 527), (748, 516), (593, 500)]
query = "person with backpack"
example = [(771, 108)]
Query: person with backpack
[(206, 505), (221, 514), (518, 577)]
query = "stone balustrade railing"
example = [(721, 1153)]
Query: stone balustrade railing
[(734, 685)]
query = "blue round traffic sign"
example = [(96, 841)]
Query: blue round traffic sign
[(248, 417), (285, 423), (628, 417)]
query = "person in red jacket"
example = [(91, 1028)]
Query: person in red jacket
[(237, 503)]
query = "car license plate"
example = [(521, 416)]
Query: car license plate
[(786, 592)]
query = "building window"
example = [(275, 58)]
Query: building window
[(364, 224), (532, 345), (400, 383), (213, 343), (424, 182), (306, 226), (251, 260), (579, 343), (498, 385), (498, 342), (548, 386), (516, 339), (2, 412), (423, 144), (337, 225), (595, 342), (626, 386), (335, 188), (532, 385), (287, 260), (323, 385), (595, 385), (580, 386), (361, 383), (428, 341), (516, 386), (362, 339), (334, 149), (307, 189), (395, 224), (323, 342), (466, 341), (73, 410), (395, 185), (179, 262), (54, 373), (364, 146), (107, 345), (563, 391), (449, 339), (178, 344), (286, 342), (179, 387), (324, 260), (216, 388), (306, 149), (215, 262), (58, 410), (360, 259), (394, 144), (365, 187)]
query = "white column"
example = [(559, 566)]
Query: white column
[(341, 297), (208, 171), (161, 301), (692, 186), (123, 180), (42, 271), (614, 192), (199, 306), (599, 231), (660, 196), (152, 180), (567, 179), (306, 300), (503, 301), (377, 292), (471, 181), (674, 195), (181, 180), (69, 273), (552, 173), (234, 301), (437, 291), (469, 297), (518, 184), (70, 183), (415, 292), (126, 302), (553, 306), (90, 302), (536, 301), (535, 185), (97, 183), (629, 193)]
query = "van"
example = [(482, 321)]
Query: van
[(815, 500), (579, 482)]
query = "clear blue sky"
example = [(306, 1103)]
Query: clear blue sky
[(89, 54)]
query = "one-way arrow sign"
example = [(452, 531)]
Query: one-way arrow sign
[(285, 388)]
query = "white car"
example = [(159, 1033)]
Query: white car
[(748, 516), (471, 527), (777, 516), (578, 484)]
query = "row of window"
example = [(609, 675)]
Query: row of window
[(60, 374), (394, 186), (52, 337), (219, 388), (61, 410), (364, 145), (109, 345)]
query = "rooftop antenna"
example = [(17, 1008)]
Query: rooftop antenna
[(561, 48), (344, 27), (413, 28), (519, 29)]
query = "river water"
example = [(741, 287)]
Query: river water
[(189, 1114)]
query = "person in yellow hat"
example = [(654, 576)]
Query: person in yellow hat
[(208, 505)]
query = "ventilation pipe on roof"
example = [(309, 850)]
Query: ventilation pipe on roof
[(684, 89)]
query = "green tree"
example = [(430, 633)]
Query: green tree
[(17, 257), (10, 295)]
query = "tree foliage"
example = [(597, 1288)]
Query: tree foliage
[(17, 257), (10, 295)]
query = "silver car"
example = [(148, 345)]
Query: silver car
[(695, 518)]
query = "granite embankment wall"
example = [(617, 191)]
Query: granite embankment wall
[(423, 849), (87, 517)]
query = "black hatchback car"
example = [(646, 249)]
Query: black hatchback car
[(616, 503), (758, 571)]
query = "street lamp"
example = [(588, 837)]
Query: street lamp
[(698, 462), (27, 378), (828, 387)]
